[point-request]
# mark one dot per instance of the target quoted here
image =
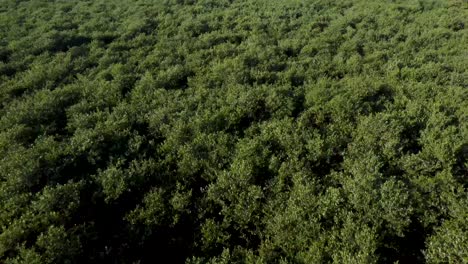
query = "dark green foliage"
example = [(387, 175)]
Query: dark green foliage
[(233, 131)]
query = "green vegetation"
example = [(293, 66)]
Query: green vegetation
[(233, 131)]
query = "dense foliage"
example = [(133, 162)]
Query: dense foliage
[(233, 131)]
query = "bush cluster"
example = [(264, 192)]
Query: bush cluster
[(233, 131)]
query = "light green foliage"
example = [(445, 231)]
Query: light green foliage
[(448, 244), (233, 131)]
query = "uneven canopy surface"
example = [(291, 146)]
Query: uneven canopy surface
[(242, 131)]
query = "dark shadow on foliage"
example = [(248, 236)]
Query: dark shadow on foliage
[(5, 54), (407, 249), (410, 138), (63, 43), (460, 168), (379, 98)]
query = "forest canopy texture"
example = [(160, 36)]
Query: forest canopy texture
[(233, 131)]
